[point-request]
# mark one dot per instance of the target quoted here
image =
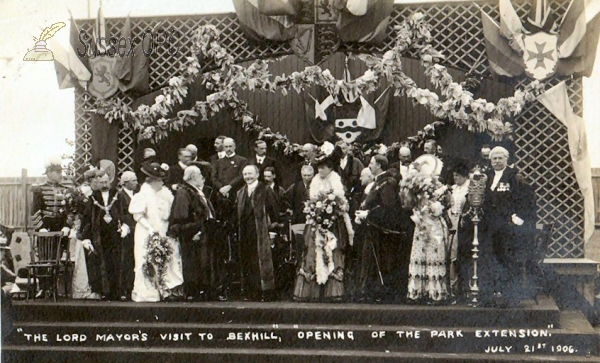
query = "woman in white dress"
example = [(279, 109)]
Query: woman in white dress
[(150, 209), (427, 274)]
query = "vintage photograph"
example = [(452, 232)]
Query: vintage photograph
[(300, 181)]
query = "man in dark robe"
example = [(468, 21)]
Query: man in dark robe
[(191, 221), (296, 195), (102, 240), (261, 159), (508, 228), (349, 170), (256, 212), (129, 185), (386, 251)]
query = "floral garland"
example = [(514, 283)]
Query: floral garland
[(158, 255), (459, 106)]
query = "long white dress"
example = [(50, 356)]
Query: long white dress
[(151, 207)]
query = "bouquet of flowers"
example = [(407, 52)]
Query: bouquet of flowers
[(424, 194), (321, 213), (158, 255)]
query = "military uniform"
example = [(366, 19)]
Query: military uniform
[(49, 209)]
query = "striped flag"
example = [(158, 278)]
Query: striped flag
[(70, 71), (259, 26), (81, 50), (510, 25), (503, 60), (364, 21), (581, 59)]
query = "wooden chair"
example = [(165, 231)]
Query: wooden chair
[(47, 262), (539, 274)]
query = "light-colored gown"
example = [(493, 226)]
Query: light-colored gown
[(154, 207), (458, 200)]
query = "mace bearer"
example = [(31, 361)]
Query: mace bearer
[(477, 184)]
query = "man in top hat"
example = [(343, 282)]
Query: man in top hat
[(256, 208), (176, 171), (129, 185), (48, 211), (220, 151), (101, 233), (260, 158), (508, 229), (386, 251), (191, 221)]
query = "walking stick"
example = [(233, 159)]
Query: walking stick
[(377, 264)]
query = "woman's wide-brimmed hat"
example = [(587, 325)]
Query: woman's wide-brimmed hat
[(156, 170), (328, 155)]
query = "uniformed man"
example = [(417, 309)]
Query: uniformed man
[(48, 211)]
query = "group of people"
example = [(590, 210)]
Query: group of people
[(225, 221)]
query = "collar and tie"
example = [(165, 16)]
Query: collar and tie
[(260, 159), (497, 176)]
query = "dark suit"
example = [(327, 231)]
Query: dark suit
[(103, 264), (127, 261), (296, 195), (350, 174), (267, 162), (505, 245), (213, 159), (190, 214), (254, 215), (228, 171), (389, 231)]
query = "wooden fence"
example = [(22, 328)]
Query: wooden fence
[(14, 207)]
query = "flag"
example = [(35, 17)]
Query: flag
[(510, 24), (133, 71), (277, 7), (572, 29), (123, 66), (541, 18), (104, 83), (556, 100), (364, 21), (258, 26), (82, 50), (503, 60), (582, 58), (70, 71)]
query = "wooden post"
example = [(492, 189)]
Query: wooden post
[(25, 194)]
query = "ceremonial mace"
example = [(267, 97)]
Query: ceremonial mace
[(477, 184)]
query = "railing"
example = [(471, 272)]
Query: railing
[(16, 198), (596, 187)]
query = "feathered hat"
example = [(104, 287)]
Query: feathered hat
[(328, 155), (156, 170), (53, 164)]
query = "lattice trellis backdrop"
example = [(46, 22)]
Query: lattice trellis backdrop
[(540, 139)]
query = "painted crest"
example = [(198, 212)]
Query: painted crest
[(104, 83), (540, 55)]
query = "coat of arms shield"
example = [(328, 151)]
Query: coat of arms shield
[(104, 83), (540, 55)]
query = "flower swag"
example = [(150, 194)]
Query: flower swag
[(453, 102)]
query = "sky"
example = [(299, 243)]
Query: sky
[(36, 117)]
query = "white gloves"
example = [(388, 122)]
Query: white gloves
[(197, 236), (43, 230), (360, 215), (516, 220), (124, 230), (65, 231), (225, 190), (73, 233), (87, 244)]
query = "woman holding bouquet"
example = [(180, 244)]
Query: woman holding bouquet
[(422, 190), (328, 231), (155, 277)]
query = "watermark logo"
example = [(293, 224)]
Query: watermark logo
[(146, 43), (39, 52)]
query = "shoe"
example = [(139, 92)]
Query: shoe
[(173, 298), (189, 298), (222, 297)]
